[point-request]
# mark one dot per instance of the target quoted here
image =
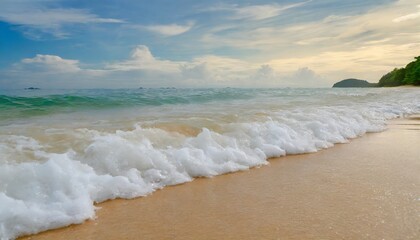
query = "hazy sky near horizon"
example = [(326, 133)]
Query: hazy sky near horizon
[(187, 43)]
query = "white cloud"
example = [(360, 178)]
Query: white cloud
[(36, 16), (253, 12), (366, 45), (407, 17), (265, 72), (52, 17), (267, 76), (215, 69), (196, 72), (170, 29), (54, 65), (257, 12), (331, 33), (304, 77), (140, 69), (142, 59), (51, 63), (226, 70), (368, 62), (260, 12), (207, 70), (51, 71)]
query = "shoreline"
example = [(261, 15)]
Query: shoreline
[(407, 86), (334, 193)]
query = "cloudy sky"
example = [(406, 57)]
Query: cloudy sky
[(209, 43)]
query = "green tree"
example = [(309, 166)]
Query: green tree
[(410, 75), (413, 72), (393, 78)]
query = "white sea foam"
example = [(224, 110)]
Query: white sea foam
[(53, 178)]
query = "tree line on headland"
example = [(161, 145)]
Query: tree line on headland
[(408, 75)]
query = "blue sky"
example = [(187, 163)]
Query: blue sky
[(127, 43)]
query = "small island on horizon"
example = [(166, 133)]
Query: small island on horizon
[(353, 82), (408, 75)]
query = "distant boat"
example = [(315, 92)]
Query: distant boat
[(32, 88)]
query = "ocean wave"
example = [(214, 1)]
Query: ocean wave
[(43, 186), (19, 104)]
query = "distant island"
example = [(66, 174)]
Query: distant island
[(352, 82), (32, 88), (408, 75)]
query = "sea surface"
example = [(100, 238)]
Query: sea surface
[(61, 151)]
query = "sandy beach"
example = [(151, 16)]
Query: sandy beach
[(367, 189)]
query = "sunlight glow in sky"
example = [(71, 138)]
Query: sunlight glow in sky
[(187, 43)]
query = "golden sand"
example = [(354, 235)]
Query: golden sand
[(367, 189)]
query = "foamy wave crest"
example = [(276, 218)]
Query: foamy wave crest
[(61, 188)]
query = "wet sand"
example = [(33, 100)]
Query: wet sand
[(367, 189)]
